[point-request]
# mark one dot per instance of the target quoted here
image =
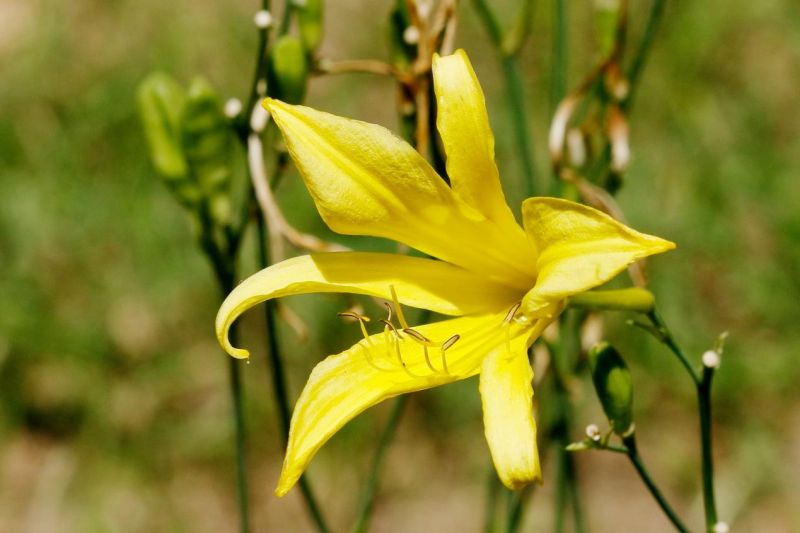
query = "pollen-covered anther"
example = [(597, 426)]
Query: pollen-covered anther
[(446, 345), (362, 319), (512, 313), (425, 342)]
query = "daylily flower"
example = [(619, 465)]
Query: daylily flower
[(504, 284)]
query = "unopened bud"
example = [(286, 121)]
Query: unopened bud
[(711, 359), (232, 107), (593, 432), (720, 527), (411, 35), (612, 381), (287, 70), (263, 19)]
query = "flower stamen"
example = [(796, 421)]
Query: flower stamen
[(446, 345), (425, 342), (362, 319)]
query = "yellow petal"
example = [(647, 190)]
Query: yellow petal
[(579, 248), (418, 282), (506, 386), (366, 181), (463, 123), (344, 385)]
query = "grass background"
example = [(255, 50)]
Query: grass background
[(114, 413)]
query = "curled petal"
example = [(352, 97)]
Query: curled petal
[(578, 248)]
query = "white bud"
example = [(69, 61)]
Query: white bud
[(263, 19), (711, 359), (259, 118), (411, 35), (593, 432), (720, 527), (232, 107)]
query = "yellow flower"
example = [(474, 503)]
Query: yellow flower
[(504, 284)]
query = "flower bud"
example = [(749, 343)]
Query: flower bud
[(207, 140), (161, 101), (309, 20), (288, 70), (612, 381)]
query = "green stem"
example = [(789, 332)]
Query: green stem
[(278, 376), (226, 279), (643, 50), (704, 404), (237, 396), (371, 488), (514, 91), (636, 460), (702, 382), (492, 492), (669, 341), (558, 72)]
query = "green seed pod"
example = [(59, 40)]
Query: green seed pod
[(309, 20), (161, 102), (207, 145), (612, 381), (288, 70)]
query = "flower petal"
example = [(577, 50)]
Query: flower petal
[(418, 282), (506, 386), (366, 181), (344, 385), (463, 123), (578, 248)]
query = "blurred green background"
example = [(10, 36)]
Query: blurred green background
[(114, 413)]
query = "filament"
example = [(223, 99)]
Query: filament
[(400, 317)]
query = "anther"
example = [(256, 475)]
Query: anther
[(353, 315), (388, 307), (445, 346), (425, 342), (511, 312)]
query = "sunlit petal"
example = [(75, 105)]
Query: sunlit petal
[(463, 123), (578, 248), (344, 385), (366, 181), (418, 282)]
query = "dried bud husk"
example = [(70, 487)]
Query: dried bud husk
[(287, 71), (207, 143), (161, 101), (612, 381), (309, 20)]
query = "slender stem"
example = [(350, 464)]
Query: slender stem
[(559, 63), (669, 341), (237, 395), (642, 51), (516, 98), (278, 375), (702, 382), (636, 460), (492, 492), (514, 91), (704, 403), (371, 488)]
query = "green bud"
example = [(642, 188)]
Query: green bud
[(288, 70), (612, 381), (207, 144), (309, 20), (631, 299), (161, 102)]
